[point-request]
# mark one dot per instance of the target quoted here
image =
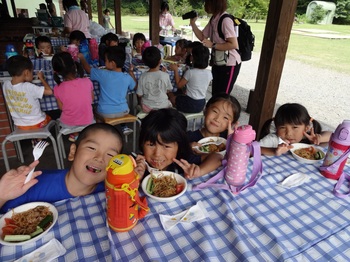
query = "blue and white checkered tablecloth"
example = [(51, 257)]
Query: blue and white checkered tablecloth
[(264, 223)]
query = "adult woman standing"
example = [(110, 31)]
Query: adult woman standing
[(224, 76), (165, 18), (75, 18)]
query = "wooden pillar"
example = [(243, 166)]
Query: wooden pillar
[(273, 52), (89, 9), (99, 12), (13, 5), (154, 9), (118, 16)]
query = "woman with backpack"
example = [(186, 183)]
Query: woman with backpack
[(225, 59)]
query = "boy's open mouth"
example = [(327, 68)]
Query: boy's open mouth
[(93, 169)]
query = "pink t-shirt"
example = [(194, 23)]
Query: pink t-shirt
[(76, 97), (211, 31), (166, 20), (77, 19)]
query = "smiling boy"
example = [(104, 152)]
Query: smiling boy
[(90, 154)]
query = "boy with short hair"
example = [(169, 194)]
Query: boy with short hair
[(43, 46), (109, 39), (114, 84), (22, 97), (90, 154), (154, 84)]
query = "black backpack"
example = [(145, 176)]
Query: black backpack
[(245, 38)]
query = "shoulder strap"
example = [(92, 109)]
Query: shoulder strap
[(336, 163), (221, 34), (256, 174), (336, 190)]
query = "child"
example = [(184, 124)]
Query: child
[(90, 154), (109, 39), (293, 125), (195, 79), (165, 146), (106, 19), (138, 40), (180, 51), (76, 37), (221, 115), (114, 84), (190, 46), (43, 46), (22, 96), (74, 95), (153, 85)]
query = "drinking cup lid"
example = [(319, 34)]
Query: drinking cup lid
[(244, 134), (342, 134)]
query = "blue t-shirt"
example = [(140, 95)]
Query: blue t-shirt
[(50, 188), (114, 87)]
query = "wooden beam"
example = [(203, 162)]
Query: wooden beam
[(273, 52), (13, 5), (100, 12), (89, 9), (118, 16), (154, 29)]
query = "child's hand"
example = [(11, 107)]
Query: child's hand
[(131, 68), (312, 137), (12, 183), (173, 67), (140, 165), (191, 170), (231, 127), (41, 76), (282, 149)]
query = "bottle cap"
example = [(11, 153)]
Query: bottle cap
[(244, 134), (342, 134)]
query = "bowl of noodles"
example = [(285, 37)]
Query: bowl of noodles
[(27, 223), (164, 186), (308, 154), (212, 144)]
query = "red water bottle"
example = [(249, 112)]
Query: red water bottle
[(339, 144), (123, 203)]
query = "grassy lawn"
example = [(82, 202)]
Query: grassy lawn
[(320, 52)]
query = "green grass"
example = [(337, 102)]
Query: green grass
[(320, 52)]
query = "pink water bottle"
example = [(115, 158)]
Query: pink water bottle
[(339, 144), (93, 46), (73, 50), (238, 155)]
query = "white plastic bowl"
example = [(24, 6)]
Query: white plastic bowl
[(213, 139), (23, 208), (304, 160), (142, 68), (48, 57), (180, 179)]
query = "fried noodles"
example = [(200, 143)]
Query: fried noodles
[(307, 153), (164, 186), (27, 221)]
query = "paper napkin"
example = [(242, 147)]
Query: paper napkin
[(47, 252), (294, 180), (195, 213)]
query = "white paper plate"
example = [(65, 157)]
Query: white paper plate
[(304, 160), (179, 179), (23, 208), (36, 81), (48, 57), (213, 139), (142, 68)]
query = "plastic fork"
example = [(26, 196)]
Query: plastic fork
[(149, 168), (37, 152)]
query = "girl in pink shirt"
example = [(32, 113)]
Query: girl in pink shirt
[(74, 95)]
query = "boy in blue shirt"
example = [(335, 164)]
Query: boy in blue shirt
[(90, 154), (114, 84)]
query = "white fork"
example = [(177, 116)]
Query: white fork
[(37, 152)]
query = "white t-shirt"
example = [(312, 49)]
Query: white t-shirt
[(23, 102), (198, 82), (153, 87), (269, 141)]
